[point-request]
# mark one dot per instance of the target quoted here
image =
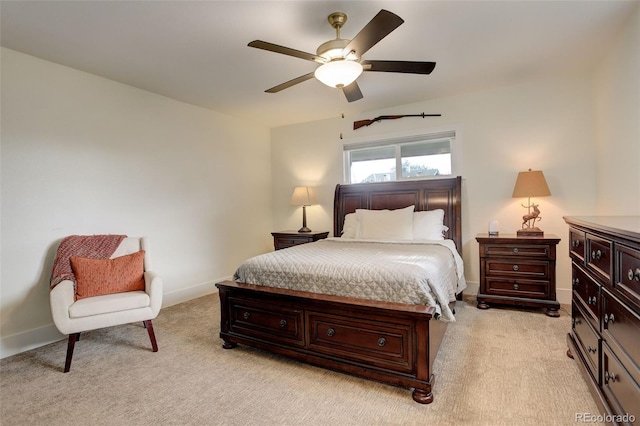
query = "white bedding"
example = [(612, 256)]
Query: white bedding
[(414, 272)]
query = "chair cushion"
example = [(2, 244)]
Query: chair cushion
[(97, 277), (109, 303)]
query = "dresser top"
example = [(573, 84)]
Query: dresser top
[(626, 226)]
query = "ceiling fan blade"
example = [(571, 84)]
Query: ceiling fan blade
[(352, 92), (409, 67), (259, 44), (377, 29), (290, 83)]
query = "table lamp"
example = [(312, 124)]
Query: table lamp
[(530, 184), (303, 196)]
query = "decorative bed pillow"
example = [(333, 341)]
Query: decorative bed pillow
[(349, 226), (385, 224), (96, 277), (428, 225)]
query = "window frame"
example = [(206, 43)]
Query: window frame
[(396, 141)]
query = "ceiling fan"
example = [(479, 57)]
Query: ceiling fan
[(341, 60)]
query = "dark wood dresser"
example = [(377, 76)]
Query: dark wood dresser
[(518, 271), (284, 239), (605, 332)]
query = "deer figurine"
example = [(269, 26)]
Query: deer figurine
[(531, 216)]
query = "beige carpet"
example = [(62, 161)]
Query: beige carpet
[(495, 367)]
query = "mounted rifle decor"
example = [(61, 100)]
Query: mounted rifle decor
[(362, 123)]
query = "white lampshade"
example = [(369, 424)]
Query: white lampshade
[(303, 196), (338, 73)]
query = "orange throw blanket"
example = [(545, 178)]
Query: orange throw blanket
[(89, 246)]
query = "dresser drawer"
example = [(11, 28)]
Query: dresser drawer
[(598, 258), (576, 245), (520, 288), (277, 323), (620, 388), (379, 343), (627, 280), (588, 340), (517, 250), (587, 292), (621, 327), (529, 269)]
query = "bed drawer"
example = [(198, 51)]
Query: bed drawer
[(274, 322), (370, 342), (530, 269)]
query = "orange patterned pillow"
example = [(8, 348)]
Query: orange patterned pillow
[(95, 277)]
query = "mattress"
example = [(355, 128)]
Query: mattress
[(412, 272)]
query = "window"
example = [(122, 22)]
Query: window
[(413, 157)]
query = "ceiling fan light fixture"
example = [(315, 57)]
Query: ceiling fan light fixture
[(339, 73)]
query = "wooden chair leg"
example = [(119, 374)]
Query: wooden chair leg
[(149, 326), (72, 343)]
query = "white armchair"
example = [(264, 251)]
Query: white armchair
[(73, 317)]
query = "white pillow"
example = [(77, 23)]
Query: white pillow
[(349, 226), (385, 224), (428, 225)]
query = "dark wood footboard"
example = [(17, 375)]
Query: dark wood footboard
[(388, 342)]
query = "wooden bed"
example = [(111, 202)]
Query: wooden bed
[(388, 342)]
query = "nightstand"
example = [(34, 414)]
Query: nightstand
[(284, 239), (518, 271)]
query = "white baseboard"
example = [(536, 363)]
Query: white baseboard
[(31, 339)]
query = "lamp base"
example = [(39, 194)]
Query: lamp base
[(304, 229), (530, 232)]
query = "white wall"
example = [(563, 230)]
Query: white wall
[(544, 125), (86, 155), (618, 124)]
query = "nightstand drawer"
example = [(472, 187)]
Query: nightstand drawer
[(284, 242), (516, 250), (520, 288), (529, 269), (285, 239)]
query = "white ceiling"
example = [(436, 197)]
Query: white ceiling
[(196, 51)]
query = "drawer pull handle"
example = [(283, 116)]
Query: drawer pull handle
[(515, 267), (610, 377), (515, 250), (592, 300), (575, 243), (591, 350), (634, 275), (576, 321), (331, 332), (576, 281), (596, 255), (283, 323), (382, 341), (246, 315), (609, 318), (516, 287)]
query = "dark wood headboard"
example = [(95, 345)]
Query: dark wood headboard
[(427, 194)]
